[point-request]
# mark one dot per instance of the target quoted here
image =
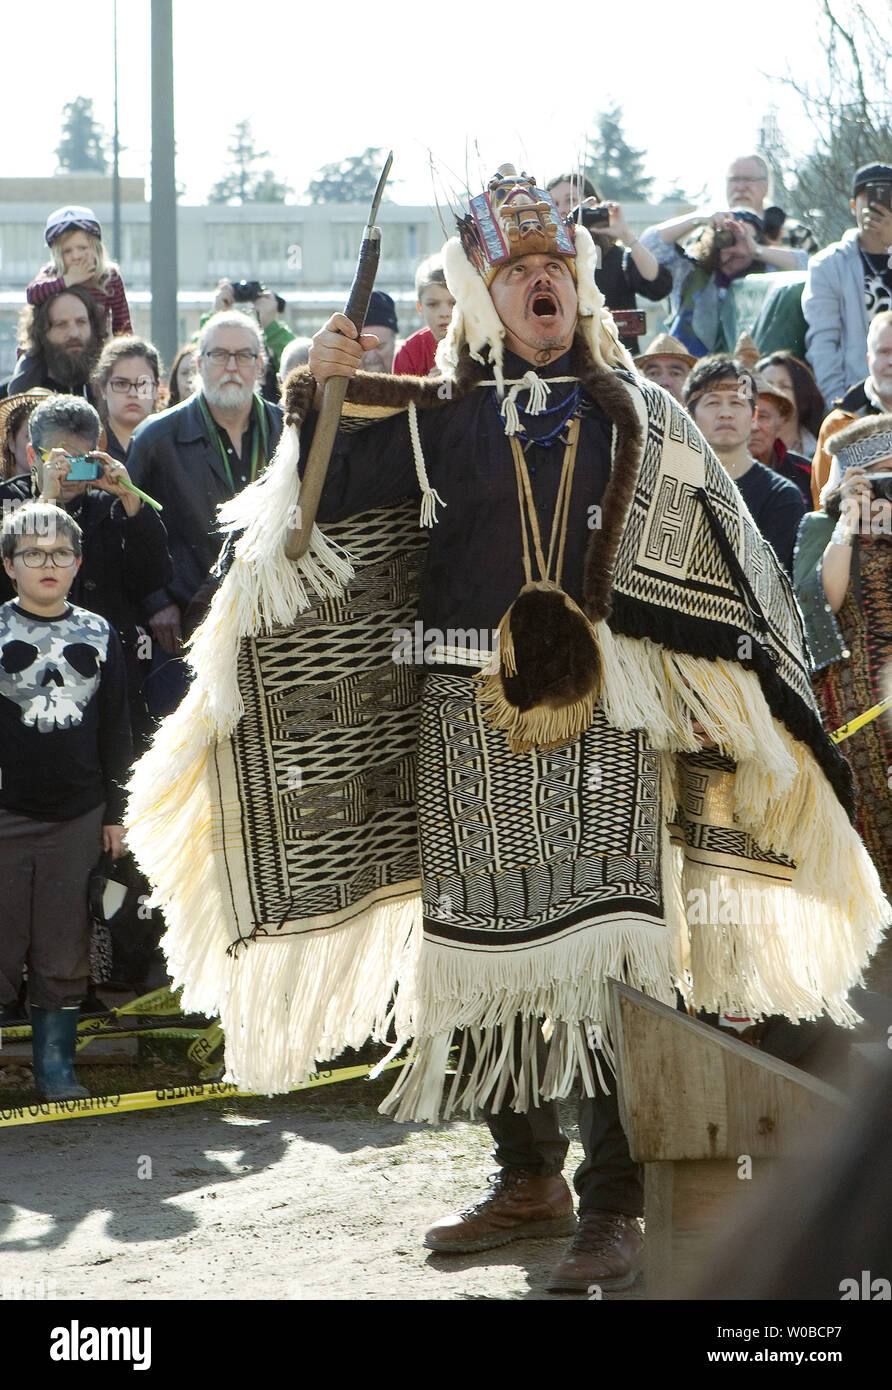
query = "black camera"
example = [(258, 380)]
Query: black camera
[(595, 216), (881, 485), (773, 219), (879, 195), (246, 291), (723, 238)]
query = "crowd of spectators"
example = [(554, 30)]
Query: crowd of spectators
[(139, 462)]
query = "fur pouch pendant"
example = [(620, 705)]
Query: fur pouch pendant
[(545, 679)]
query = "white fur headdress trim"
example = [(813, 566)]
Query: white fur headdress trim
[(474, 318), (475, 321)]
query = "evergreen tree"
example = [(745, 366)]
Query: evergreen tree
[(81, 148), (268, 189), (351, 180), (614, 167), (244, 183)]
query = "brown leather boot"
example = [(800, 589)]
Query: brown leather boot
[(518, 1205), (606, 1251)]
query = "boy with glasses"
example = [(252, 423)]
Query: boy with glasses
[(66, 750)]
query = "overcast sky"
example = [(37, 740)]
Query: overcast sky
[(515, 81)]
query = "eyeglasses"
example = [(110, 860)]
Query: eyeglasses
[(220, 357), (38, 559), (143, 386)]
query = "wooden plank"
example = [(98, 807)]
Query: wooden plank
[(687, 1206), (658, 1195), (689, 1091)]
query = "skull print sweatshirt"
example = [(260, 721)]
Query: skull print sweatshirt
[(65, 744)]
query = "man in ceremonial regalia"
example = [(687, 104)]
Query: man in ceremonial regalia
[(490, 769)]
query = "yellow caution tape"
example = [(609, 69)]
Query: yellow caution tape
[(157, 1004), (40, 1113), (114, 1033), (205, 1044), (159, 1001), (860, 720), (107, 1028)]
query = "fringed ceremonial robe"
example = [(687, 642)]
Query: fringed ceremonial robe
[(326, 831)]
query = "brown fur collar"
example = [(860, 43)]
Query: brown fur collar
[(607, 388)]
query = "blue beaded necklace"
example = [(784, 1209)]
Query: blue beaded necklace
[(566, 409)]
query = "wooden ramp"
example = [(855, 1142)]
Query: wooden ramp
[(710, 1118)]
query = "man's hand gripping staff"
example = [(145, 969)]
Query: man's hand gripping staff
[(334, 355)]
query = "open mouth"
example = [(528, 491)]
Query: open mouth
[(544, 305)]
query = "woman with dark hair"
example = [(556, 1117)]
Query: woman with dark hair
[(796, 380), (627, 269), (842, 573), (126, 382), (182, 375)]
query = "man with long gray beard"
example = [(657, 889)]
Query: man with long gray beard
[(61, 341), (201, 453)]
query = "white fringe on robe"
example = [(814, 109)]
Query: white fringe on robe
[(287, 1005)]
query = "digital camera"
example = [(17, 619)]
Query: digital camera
[(246, 291), (83, 469), (593, 217)]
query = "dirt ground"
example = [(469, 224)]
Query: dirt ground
[(308, 1196)]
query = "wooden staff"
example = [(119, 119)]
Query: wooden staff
[(297, 541)]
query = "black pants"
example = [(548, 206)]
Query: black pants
[(606, 1180), (44, 919)]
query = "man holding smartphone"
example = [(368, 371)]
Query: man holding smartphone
[(848, 284)]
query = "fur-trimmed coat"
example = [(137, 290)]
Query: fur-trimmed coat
[(300, 945), (686, 568)]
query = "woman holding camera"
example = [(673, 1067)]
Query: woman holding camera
[(842, 572), (627, 268), (728, 246)]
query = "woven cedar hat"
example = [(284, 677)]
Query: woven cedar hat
[(664, 345), (746, 350), (513, 218), (863, 442), (10, 405), (784, 399)]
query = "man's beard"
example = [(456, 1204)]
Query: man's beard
[(235, 395), (71, 369)]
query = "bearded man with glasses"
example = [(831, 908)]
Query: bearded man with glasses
[(192, 458)]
